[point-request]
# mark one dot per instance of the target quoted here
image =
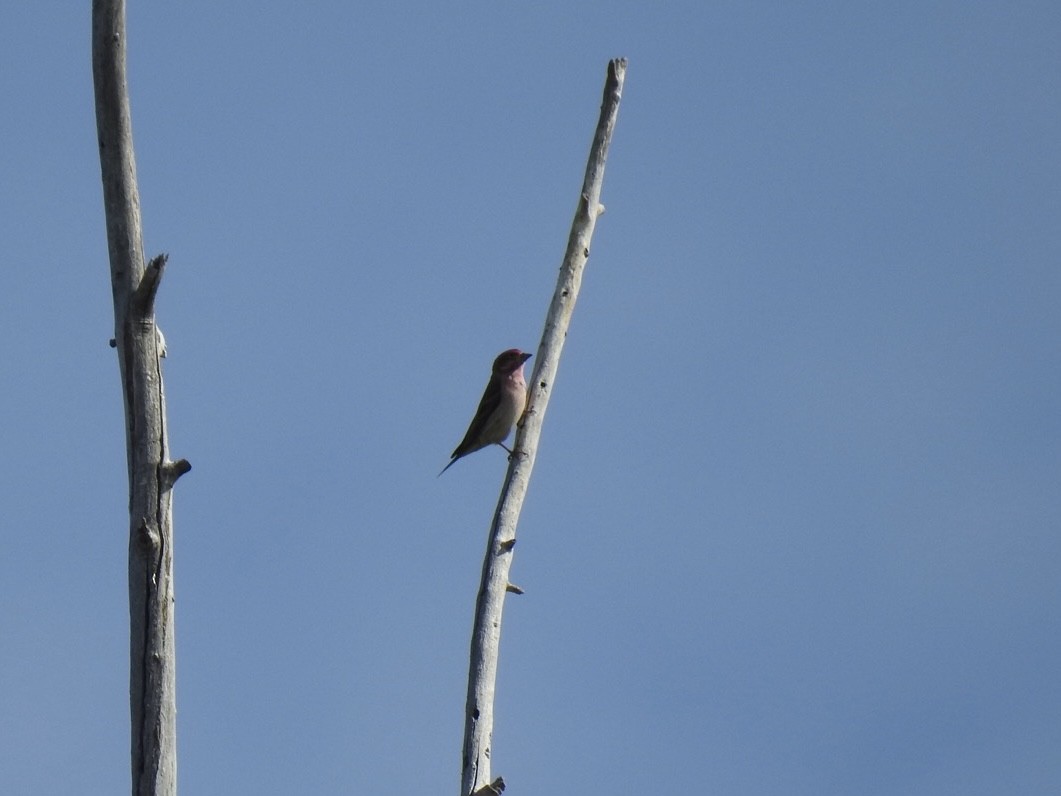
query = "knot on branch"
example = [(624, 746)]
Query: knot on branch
[(147, 536)]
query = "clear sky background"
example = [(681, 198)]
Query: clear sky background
[(795, 524)]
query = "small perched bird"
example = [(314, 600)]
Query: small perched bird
[(501, 406)]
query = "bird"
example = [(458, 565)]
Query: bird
[(502, 403)]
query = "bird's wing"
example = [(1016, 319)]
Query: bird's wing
[(487, 406)]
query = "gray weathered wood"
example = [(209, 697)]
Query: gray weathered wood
[(152, 681), (486, 631)]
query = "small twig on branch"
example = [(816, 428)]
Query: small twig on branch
[(143, 299), (495, 788), (171, 471)]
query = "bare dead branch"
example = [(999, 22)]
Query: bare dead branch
[(486, 631), (152, 680)]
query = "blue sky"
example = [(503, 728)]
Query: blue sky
[(795, 524)]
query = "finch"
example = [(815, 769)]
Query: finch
[(501, 406)]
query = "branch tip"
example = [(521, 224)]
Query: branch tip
[(512, 588)]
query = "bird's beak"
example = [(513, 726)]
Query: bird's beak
[(525, 357)]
